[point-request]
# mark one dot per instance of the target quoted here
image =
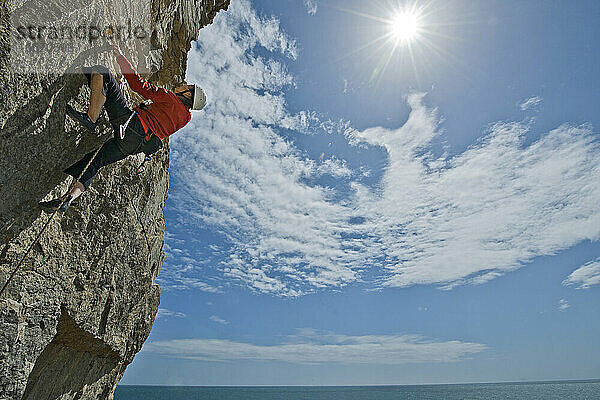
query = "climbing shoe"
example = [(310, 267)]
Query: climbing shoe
[(50, 205), (54, 204), (82, 118), (66, 204)]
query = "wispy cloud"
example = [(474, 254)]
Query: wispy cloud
[(245, 180), (450, 220), (563, 305), (531, 103), (479, 214), (313, 347), (218, 320), (333, 166), (585, 276), (163, 312), (311, 6), (180, 265)]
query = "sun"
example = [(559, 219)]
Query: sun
[(401, 34), (405, 26)]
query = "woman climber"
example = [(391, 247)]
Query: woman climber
[(140, 130)]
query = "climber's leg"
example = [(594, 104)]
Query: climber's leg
[(109, 153), (105, 91), (115, 104), (97, 98)]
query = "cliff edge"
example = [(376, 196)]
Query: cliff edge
[(84, 300)]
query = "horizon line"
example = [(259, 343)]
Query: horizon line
[(586, 380)]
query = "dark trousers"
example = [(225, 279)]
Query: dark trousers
[(115, 148)]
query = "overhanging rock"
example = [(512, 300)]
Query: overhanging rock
[(84, 300)]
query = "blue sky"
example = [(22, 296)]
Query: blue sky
[(349, 212)]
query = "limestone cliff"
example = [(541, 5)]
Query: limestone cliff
[(84, 300)]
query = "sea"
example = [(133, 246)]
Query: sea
[(559, 390)]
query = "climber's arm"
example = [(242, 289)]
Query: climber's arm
[(136, 83)]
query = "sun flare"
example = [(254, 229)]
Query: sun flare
[(404, 26), (403, 34)]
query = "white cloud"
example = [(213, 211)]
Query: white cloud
[(179, 282), (530, 103), (475, 216), (312, 347), (245, 180), (219, 320), (180, 264), (563, 305), (451, 220), (585, 276), (163, 312), (334, 167), (311, 6)]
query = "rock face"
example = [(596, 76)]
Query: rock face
[(83, 301)]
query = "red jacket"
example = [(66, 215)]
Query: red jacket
[(167, 114)]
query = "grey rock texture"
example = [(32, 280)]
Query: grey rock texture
[(84, 300)]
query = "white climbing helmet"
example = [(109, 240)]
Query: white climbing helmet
[(199, 98)]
